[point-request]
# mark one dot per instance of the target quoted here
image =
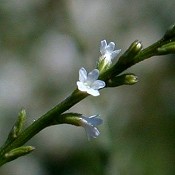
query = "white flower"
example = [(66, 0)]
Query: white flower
[(107, 50), (89, 83), (89, 124)]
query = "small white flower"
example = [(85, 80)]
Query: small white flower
[(107, 50), (89, 124), (89, 83)]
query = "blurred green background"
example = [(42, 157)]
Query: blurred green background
[(43, 44)]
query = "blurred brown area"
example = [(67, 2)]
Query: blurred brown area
[(43, 44)]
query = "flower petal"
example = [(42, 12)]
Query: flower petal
[(98, 84), (92, 132), (93, 75), (93, 92), (94, 120), (103, 47), (81, 86), (110, 46), (89, 124), (115, 53), (82, 74)]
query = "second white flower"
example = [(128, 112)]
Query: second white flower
[(88, 82)]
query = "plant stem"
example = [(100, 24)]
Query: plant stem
[(47, 119), (42, 123)]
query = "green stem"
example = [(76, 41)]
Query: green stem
[(42, 123)]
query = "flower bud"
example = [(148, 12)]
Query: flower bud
[(132, 51), (18, 152), (18, 126), (20, 122), (125, 79), (131, 79), (166, 49)]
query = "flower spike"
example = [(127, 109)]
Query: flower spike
[(88, 82)]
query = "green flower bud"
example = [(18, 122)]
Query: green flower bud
[(18, 126), (18, 152), (167, 49), (20, 122), (135, 47), (125, 79), (132, 51)]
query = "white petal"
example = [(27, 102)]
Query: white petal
[(94, 120), (103, 46), (92, 76), (93, 92), (89, 124), (82, 74), (109, 50), (91, 131), (81, 86), (115, 53), (98, 84), (95, 132), (111, 46)]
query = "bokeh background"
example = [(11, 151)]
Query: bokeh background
[(43, 44)]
